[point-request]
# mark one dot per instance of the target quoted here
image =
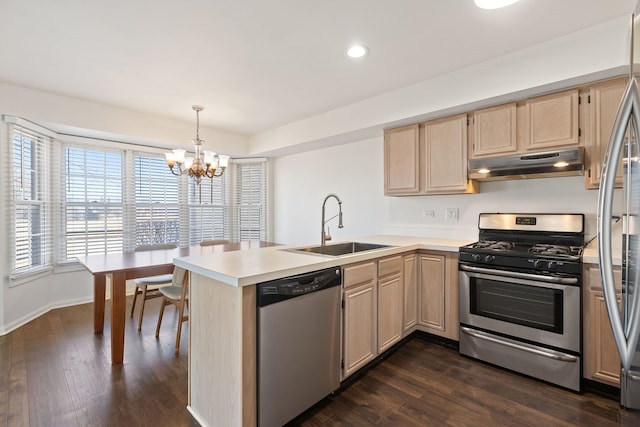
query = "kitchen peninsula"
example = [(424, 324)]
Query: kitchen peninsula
[(223, 337)]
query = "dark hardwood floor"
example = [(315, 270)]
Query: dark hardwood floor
[(55, 372)]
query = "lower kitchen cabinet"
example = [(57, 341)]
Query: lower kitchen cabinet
[(438, 294), (601, 359), (388, 298), (410, 290), (390, 302), (360, 316)]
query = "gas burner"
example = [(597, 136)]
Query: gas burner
[(493, 245), (546, 249)]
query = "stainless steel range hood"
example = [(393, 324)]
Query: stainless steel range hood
[(565, 162)]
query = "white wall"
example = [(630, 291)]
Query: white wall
[(355, 172), (301, 182), (120, 124)]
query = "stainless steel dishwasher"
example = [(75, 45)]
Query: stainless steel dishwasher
[(298, 344)]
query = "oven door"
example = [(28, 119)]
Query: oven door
[(528, 307)]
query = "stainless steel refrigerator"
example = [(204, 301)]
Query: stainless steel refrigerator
[(623, 151)]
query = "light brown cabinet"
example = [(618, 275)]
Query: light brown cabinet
[(388, 298), (430, 158), (444, 156), (601, 360), (537, 124), (603, 100), (494, 131), (410, 285), (390, 302), (552, 121), (402, 160), (359, 316), (438, 293)]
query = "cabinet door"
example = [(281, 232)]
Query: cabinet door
[(552, 121), (604, 100), (410, 279), (494, 131), (604, 354), (432, 292), (601, 360), (389, 312), (360, 327), (445, 155), (402, 160)]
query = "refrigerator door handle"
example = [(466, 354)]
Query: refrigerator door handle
[(626, 338)]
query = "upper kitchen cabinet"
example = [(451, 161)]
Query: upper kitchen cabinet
[(533, 125), (402, 160), (493, 131), (444, 156), (602, 103), (552, 121), (430, 158)]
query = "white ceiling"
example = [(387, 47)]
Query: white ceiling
[(258, 64)]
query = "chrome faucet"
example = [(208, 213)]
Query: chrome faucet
[(326, 236)]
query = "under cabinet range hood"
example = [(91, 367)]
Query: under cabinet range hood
[(565, 162)]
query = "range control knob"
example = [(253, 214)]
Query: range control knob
[(552, 265), (489, 259), (476, 257), (537, 263)]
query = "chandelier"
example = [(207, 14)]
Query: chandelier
[(204, 164)]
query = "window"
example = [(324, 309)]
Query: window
[(157, 210), (29, 199), (75, 196), (93, 208), (251, 200), (207, 205)]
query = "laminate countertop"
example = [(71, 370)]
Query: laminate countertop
[(248, 267)]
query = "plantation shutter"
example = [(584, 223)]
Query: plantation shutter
[(29, 204), (251, 200), (208, 216), (92, 202), (156, 199)]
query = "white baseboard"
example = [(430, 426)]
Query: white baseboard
[(195, 415), (12, 326)]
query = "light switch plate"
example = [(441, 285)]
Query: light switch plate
[(451, 214)]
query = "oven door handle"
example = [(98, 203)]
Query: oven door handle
[(517, 275), (551, 354)]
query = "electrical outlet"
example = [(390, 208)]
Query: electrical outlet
[(451, 214), (428, 213)]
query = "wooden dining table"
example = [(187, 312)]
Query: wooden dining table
[(123, 266)]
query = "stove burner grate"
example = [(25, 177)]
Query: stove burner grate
[(493, 245), (545, 249)]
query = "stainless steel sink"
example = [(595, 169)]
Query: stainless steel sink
[(339, 249)]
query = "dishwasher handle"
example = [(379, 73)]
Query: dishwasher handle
[(295, 286)]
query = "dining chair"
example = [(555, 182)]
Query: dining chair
[(213, 242), (176, 294), (149, 286)]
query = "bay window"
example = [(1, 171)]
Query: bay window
[(74, 196)]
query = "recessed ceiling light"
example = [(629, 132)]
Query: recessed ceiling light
[(357, 51), (493, 4)]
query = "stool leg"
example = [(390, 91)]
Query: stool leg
[(162, 306), (144, 299), (135, 297)]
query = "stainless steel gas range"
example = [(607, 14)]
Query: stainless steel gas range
[(520, 295)]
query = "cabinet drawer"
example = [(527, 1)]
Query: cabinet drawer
[(359, 273), (388, 266)]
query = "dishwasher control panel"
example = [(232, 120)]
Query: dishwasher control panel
[(291, 287)]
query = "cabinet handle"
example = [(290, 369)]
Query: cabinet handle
[(551, 354)]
